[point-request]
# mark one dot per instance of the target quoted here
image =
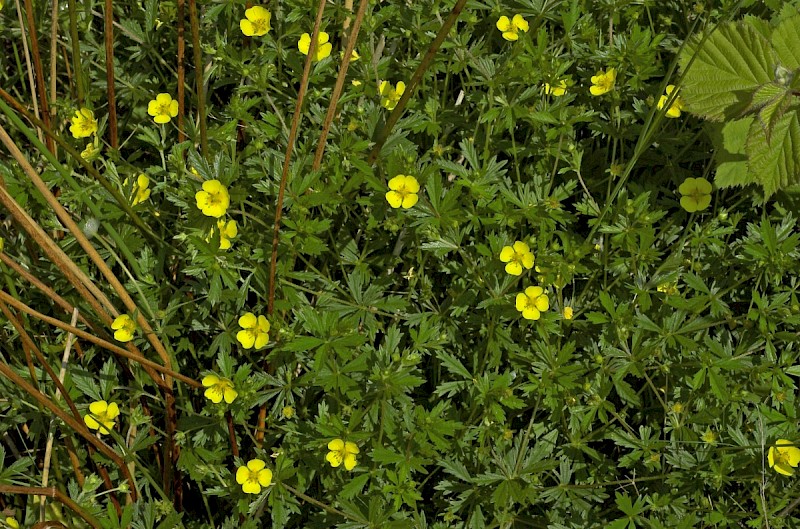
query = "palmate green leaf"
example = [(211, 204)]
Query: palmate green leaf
[(775, 162), (727, 67)]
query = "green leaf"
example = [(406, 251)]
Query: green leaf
[(727, 67), (775, 162), (771, 101), (786, 41), (730, 140)]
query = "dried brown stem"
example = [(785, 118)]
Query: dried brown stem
[(198, 74), (38, 70), (383, 134), (53, 492), (262, 413), (232, 434), (337, 89), (79, 427), (181, 70), (112, 103)]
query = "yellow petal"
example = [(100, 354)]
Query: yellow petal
[(350, 461), (514, 268), (336, 444), (503, 24), (256, 464), (248, 320), (410, 200), (394, 199), (334, 458), (265, 477), (241, 475)]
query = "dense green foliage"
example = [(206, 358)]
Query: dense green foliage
[(650, 392)]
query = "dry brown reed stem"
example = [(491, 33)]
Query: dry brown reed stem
[(232, 433), (198, 74), (17, 304), (53, 58), (76, 50), (38, 70), (337, 89), (112, 103), (383, 134), (79, 427), (29, 68), (27, 345), (121, 201), (181, 70), (48, 451), (52, 492), (312, 48), (72, 272), (90, 250), (25, 337), (49, 292)]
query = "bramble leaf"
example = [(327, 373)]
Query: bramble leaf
[(775, 162), (786, 41), (731, 63)]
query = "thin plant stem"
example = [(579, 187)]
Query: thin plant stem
[(26, 53), (198, 74), (76, 51), (337, 89), (181, 70), (383, 133), (38, 70), (52, 492), (273, 264), (112, 104)]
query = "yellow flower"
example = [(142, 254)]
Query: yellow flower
[(709, 437), (603, 82), (219, 388), (256, 22), (675, 108), (125, 328), (568, 312), (213, 199), (91, 152), (558, 90), (403, 191), (255, 331), (227, 231), (323, 46), (669, 289), (696, 194), (11, 522), (163, 108), (356, 82), (511, 28), (532, 303), (517, 256), (390, 96), (253, 476), (83, 124), (101, 416), (287, 412), (353, 56), (140, 191), (341, 451), (784, 457)]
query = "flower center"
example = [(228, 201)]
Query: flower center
[(260, 25), (780, 458), (163, 109), (214, 199), (253, 476)]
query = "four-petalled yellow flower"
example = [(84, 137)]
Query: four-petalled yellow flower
[(403, 191), (83, 124), (163, 108), (141, 190), (695, 194), (213, 199), (253, 476), (227, 231), (390, 96), (532, 303), (124, 328), (674, 110), (256, 22), (101, 416), (255, 331), (558, 90), (342, 452), (603, 82), (512, 27), (784, 457), (323, 46), (517, 256), (218, 389)]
